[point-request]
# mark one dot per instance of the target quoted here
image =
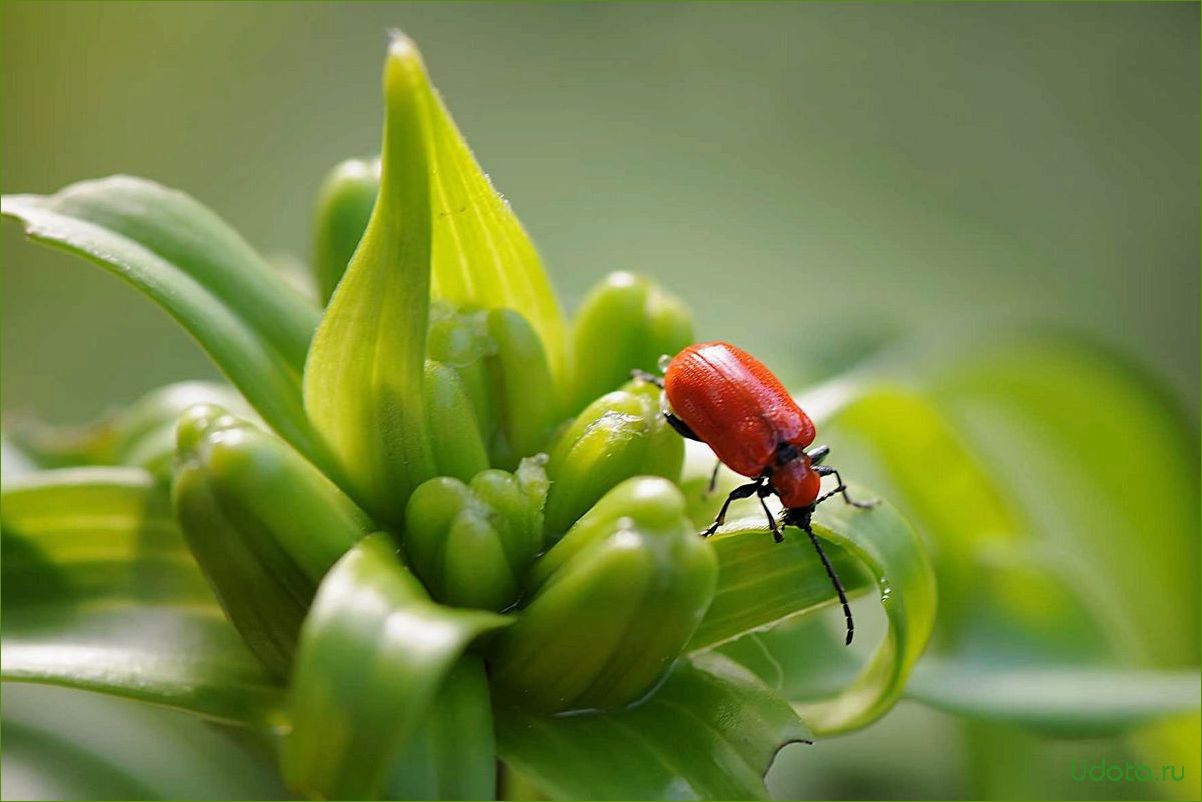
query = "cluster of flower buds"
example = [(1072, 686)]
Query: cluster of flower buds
[(553, 498)]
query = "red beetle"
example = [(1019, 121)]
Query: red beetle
[(722, 396)]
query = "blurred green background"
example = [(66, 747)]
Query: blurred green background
[(809, 178), (805, 176)]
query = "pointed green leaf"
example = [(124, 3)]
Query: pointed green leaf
[(363, 378), (887, 550), (482, 255), (710, 731), (188, 261), (100, 593), (374, 653)]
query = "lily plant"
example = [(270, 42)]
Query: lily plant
[(434, 535)]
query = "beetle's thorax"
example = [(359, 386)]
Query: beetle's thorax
[(795, 482)]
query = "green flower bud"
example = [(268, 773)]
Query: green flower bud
[(263, 524), (460, 340), (451, 421), (526, 393), (472, 543), (146, 433), (620, 435), (505, 375), (614, 604), (625, 322), (343, 207)]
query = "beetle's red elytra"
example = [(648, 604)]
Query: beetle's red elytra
[(724, 397)]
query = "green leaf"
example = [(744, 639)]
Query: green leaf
[(374, 653), (63, 744), (363, 378), (453, 754), (100, 593), (896, 438), (188, 261), (482, 255), (889, 551), (1052, 416), (761, 582), (1062, 700), (709, 732)]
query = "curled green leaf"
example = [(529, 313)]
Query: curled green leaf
[(190, 262), (613, 604), (710, 731), (889, 554), (374, 654)]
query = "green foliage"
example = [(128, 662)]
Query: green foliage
[(405, 663), (142, 435), (191, 263), (373, 655), (363, 376), (709, 732), (100, 593)]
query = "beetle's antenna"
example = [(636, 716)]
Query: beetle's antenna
[(830, 571)]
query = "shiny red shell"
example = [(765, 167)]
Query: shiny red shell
[(739, 409)]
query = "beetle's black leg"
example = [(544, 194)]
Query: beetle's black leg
[(826, 470), (643, 375), (830, 572), (776, 535), (713, 485), (742, 491)]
